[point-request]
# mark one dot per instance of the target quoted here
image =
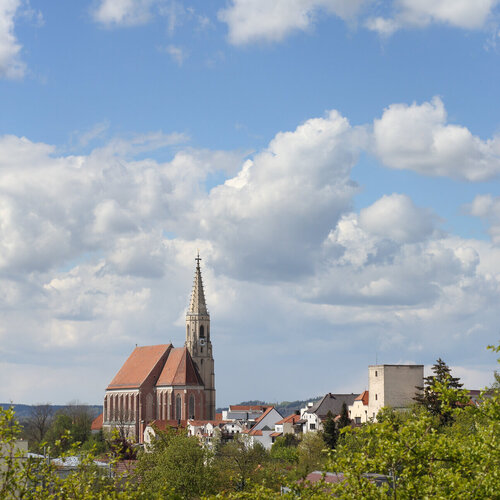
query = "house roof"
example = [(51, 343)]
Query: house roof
[(179, 369), (331, 402), (276, 434), (292, 419), (97, 423), (199, 423), (363, 397), (248, 407), (138, 366), (162, 425), (266, 412)]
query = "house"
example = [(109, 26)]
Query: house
[(391, 386), (263, 428), (314, 414), (358, 411), (288, 425)]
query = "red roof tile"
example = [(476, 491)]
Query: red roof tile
[(276, 434), (248, 408), (162, 425), (97, 423), (218, 416), (292, 419), (179, 369), (139, 365), (363, 397), (269, 408), (256, 432)]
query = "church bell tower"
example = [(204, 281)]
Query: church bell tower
[(198, 340)]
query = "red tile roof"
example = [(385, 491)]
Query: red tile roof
[(139, 365), (269, 409), (97, 423), (256, 432), (218, 416), (276, 434), (198, 423), (248, 408), (179, 369), (162, 425), (363, 397), (292, 419)]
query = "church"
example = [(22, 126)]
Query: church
[(163, 382)]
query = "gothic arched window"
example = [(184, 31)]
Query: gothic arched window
[(178, 407), (187, 330), (191, 406), (202, 332)]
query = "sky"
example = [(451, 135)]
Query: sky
[(335, 162)]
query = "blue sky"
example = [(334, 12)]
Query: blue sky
[(335, 161)]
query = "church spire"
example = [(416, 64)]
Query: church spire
[(197, 304)]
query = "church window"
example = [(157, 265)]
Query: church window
[(376, 397), (178, 407), (201, 362), (187, 330), (376, 373), (201, 349), (202, 332), (191, 406)]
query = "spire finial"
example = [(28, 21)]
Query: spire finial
[(198, 258)]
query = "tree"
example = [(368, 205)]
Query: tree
[(38, 423), (344, 419), (430, 395), (330, 431), (241, 461), (311, 451), (176, 466)]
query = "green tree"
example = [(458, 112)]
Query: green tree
[(431, 394), (311, 451), (344, 419), (330, 431), (241, 462), (176, 466), (421, 458)]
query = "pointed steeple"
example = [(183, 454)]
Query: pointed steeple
[(197, 305)]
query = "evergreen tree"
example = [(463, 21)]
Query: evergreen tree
[(344, 419), (431, 398), (330, 431)]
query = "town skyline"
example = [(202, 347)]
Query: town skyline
[(335, 163)]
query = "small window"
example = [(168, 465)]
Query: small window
[(312, 426), (202, 332), (376, 397), (376, 373), (358, 420)]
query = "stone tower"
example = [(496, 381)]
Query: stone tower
[(198, 340)]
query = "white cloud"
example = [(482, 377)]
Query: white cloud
[(255, 20), (488, 208), (397, 218), (96, 255), (178, 54), (268, 219), (123, 12), (11, 66), (418, 137), (420, 13)]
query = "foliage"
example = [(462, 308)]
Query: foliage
[(344, 419), (330, 431), (311, 453), (435, 390), (421, 458), (37, 424), (285, 450), (241, 463), (176, 466)]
